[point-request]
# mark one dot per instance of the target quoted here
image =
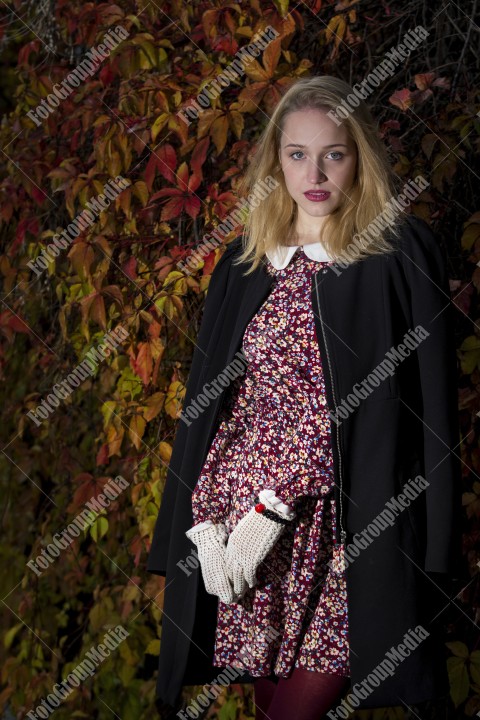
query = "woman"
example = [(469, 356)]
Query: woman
[(330, 464)]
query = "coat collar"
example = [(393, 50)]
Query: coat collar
[(281, 255)]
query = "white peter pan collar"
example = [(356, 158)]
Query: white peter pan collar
[(281, 256)]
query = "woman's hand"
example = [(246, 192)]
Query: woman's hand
[(210, 540), (252, 539)]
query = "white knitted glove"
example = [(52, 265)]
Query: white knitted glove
[(210, 540), (252, 539)]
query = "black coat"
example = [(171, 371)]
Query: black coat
[(405, 427)]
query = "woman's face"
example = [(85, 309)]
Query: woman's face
[(316, 155)]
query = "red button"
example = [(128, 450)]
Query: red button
[(260, 507)]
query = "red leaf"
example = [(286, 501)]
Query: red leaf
[(38, 195), (401, 99), (26, 225), (172, 209), (102, 455), (106, 75), (166, 192), (130, 268), (199, 155), (163, 160), (24, 52), (166, 162), (192, 206)]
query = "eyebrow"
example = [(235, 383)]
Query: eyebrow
[(326, 146)]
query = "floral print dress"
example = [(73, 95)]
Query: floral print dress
[(274, 432)]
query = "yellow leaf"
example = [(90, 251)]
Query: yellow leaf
[(124, 200), (107, 411), (10, 635), (136, 430), (140, 191), (336, 27), (470, 236), (237, 123), (175, 395), (114, 164), (157, 347), (153, 648), (219, 133), (282, 6), (158, 125), (165, 451)]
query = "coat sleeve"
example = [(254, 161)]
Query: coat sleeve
[(158, 555), (425, 270)]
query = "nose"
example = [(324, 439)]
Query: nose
[(315, 173)]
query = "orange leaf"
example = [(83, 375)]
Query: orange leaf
[(153, 406), (114, 438), (423, 80), (81, 256), (97, 312), (142, 364), (271, 56)]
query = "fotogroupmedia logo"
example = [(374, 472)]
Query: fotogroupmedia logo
[(84, 219), (66, 387), (85, 669), (387, 68), (62, 540), (234, 219), (229, 74), (86, 69)]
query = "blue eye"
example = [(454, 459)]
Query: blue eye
[(334, 152)]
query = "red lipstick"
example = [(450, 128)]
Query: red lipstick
[(317, 195)]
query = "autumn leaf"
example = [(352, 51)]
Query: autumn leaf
[(136, 430), (471, 500), (182, 197), (336, 29), (199, 155), (142, 364), (423, 80), (153, 406), (173, 401), (82, 255), (401, 99)]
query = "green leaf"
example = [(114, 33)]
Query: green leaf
[(459, 681), (99, 528)]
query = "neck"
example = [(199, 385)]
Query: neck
[(301, 241)]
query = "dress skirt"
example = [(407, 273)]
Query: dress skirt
[(274, 432)]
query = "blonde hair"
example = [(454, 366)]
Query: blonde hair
[(273, 219)]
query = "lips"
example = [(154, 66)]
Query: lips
[(317, 195)]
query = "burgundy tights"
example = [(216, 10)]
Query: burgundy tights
[(304, 695)]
